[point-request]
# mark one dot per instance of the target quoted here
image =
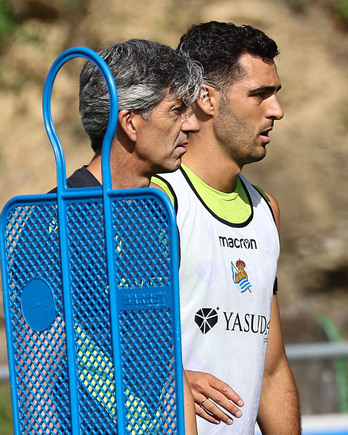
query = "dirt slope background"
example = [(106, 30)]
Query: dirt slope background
[(306, 165)]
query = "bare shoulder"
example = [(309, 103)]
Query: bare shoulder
[(275, 208), (156, 186)]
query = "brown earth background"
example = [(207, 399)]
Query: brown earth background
[(306, 164)]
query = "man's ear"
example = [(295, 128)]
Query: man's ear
[(207, 99), (126, 120)]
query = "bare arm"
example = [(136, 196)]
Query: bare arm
[(190, 415), (279, 411), (279, 407)]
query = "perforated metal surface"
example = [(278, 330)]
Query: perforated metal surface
[(32, 252), (90, 286), (142, 253)]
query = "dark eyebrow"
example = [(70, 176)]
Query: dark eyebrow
[(265, 89)]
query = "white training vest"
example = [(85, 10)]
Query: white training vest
[(225, 321)]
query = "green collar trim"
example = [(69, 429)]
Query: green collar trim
[(233, 207)]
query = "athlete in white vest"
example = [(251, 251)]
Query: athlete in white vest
[(233, 350)]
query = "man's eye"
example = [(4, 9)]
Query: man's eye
[(179, 109), (260, 95), (263, 95)]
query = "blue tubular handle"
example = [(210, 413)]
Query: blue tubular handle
[(47, 115)]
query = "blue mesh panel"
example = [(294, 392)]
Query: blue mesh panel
[(142, 255), (32, 251), (143, 281), (91, 310), (91, 302)]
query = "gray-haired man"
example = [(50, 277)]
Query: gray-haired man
[(155, 86)]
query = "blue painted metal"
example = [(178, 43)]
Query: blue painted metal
[(91, 301)]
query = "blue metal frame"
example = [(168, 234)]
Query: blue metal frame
[(43, 247)]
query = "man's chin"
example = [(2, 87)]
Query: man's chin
[(170, 168), (256, 158), (261, 154)]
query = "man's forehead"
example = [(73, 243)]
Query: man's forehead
[(170, 96), (170, 99), (258, 72)]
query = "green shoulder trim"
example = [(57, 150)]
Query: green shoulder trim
[(261, 192), (162, 184)]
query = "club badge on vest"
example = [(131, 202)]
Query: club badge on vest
[(240, 277)]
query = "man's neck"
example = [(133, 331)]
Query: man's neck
[(123, 174), (211, 164)]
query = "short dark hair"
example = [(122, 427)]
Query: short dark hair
[(218, 46), (143, 71)]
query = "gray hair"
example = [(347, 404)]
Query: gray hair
[(143, 71)]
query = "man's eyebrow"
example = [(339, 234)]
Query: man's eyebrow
[(177, 102), (266, 88)]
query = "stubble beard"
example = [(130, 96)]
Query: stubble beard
[(238, 138)]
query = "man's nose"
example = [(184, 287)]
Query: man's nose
[(275, 110), (190, 123)]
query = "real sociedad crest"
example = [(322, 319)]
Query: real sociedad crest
[(240, 277)]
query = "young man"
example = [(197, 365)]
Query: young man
[(231, 333)]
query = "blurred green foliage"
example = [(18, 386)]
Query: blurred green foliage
[(298, 5), (8, 22), (6, 425), (338, 9)]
